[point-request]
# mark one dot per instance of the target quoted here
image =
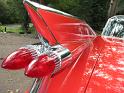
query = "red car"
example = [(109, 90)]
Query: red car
[(70, 58)]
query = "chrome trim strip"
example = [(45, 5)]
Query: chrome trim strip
[(46, 8), (35, 86), (60, 53)]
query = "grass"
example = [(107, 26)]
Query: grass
[(16, 28), (11, 29)]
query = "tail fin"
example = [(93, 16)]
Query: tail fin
[(56, 26), (39, 23)]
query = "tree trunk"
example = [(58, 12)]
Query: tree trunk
[(26, 23), (113, 8)]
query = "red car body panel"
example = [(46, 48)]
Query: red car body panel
[(76, 77), (60, 29), (68, 31), (73, 34), (108, 76), (99, 69), (39, 24)]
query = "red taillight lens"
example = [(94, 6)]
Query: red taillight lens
[(41, 66), (38, 61), (48, 63), (20, 58)]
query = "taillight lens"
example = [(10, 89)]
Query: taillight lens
[(20, 58), (48, 63), (37, 61), (41, 66)]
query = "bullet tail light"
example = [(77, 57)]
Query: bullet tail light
[(21, 57), (48, 63)]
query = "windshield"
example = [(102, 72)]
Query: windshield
[(114, 27)]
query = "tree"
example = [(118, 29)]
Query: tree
[(98, 14), (26, 18), (24, 15), (9, 12), (120, 8), (113, 8), (3, 14)]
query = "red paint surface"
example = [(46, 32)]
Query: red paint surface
[(39, 24), (98, 64), (68, 31), (99, 69), (75, 78), (57, 28), (108, 76)]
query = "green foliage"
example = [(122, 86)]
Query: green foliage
[(1, 28), (11, 12), (98, 13), (32, 30), (94, 12), (3, 12), (70, 6), (120, 9), (15, 28), (14, 11)]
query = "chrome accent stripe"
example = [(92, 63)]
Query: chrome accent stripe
[(35, 50), (60, 53), (44, 43), (35, 86), (46, 8)]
